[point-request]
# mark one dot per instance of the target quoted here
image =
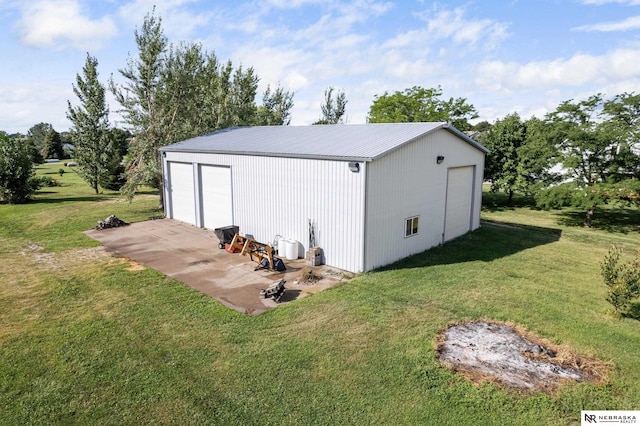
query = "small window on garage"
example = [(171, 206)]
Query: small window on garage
[(411, 226)]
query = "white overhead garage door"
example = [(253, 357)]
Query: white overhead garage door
[(459, 202), (183, 205), (215, 189)]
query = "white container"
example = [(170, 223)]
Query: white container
[(282, 249), (291, 251)]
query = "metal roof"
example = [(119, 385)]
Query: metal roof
[(352, 142)]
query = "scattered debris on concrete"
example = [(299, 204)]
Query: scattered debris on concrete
[(190, 255), (511, 356), (274, 291), (308, 276), (110, 222)]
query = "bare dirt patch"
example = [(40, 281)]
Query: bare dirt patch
[(71, 259), (133, 265), (42, 258), (513, 357)]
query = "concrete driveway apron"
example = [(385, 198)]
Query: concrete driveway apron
[(191, 255)]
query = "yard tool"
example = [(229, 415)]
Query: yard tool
[(263, 253), (236, 245), (226, 234), (312, 234)]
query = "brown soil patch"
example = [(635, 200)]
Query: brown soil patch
[(513, 357), (133, 265)]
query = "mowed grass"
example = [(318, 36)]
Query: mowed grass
[(84, 340)]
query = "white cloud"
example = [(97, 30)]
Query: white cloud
[(578, 70), (307, 61), (335, 19), (347, 42), (337, 43), (288, 4), (361, 10), (603, 2), (250, 24), (631, 23), (30, 102), (179, 21), (453, 25), (62, 23), (536, 88), (405, 39), (277, 65), (463, 34)]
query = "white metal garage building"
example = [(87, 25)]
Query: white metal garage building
[(375, 192)]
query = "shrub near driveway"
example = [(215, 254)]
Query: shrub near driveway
[(84, 340)]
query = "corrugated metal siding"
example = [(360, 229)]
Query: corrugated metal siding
[(407, 182), (277, 196)]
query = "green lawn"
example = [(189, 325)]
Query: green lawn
[(83, 340)]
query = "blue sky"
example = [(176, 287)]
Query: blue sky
[(502, 56)]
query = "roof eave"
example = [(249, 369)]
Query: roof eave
[(168, 148), (446, 126)]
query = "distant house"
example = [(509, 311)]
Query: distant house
[(373, 193)]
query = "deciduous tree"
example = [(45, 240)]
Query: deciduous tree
[(139, 99), (597, 139), (115, 175), (53, 145), (276, 107), (623, 124), (503, 140), (578, 131), (17, 177), (333, 109), (93, 148), (174, 92), (245, 87), (36, 136), (520, 155), (418, 104)]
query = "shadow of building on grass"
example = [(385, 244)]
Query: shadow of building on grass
[(493, 240)]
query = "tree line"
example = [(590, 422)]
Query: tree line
[(585, 153), (171, 92)]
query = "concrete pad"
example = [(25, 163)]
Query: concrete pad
[(191, 255)]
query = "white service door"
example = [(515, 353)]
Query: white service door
[(215, 187), (459, 202), (183, 203)]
